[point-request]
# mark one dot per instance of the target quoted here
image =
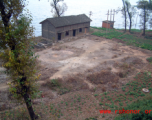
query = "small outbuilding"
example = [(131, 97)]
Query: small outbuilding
[(59, 28), (108, 24)]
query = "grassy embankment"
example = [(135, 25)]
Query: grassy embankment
[(130, 39)]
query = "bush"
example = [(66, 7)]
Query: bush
[(54, 83), (63, 91), (146, 46), (149, 59)]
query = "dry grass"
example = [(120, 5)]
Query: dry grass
[(57, 48), (114, 48), (77, 103), (66, 84), (46, 73), (102, 77), (114, 56)]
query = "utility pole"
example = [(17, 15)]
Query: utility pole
[(113, 14), (90, 14), (136, 19), (110, 14), (110, 18), (107, 21), (113, 17)]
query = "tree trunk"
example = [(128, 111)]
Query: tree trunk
[(55, 3), (130, 22), (144, 22), (125, 14), (125, 21), (130, 25), (29, 106), (27, 99)]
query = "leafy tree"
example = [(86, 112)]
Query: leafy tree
[(16, 40), (131, 12), (57, 9)]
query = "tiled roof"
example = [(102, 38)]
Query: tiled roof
[(68, 20)]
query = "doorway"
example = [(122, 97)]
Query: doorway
[(85, 30), (59, 36), (74, 32)]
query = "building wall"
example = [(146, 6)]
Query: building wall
[(45, 29), (50, 32), (104, 25), (71, 27)]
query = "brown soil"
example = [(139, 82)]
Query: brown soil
[(84, 66)]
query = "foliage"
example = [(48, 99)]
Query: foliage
[(27, 63), (149, 59), (135, 30), (110, 35), (130, 39), (142, 105), (53, 83), (99, 28), (16, 38), (91, 118)]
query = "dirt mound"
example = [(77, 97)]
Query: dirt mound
[(102, 77), (132, 60), (67, 84)]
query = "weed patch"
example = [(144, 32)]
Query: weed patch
[(149, 59)]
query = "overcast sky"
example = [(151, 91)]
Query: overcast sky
[(41, 10)]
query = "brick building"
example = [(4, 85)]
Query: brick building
[(59, 28), (108, 24)]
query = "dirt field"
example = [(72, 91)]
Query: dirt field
[(88, 53), (109, 62)]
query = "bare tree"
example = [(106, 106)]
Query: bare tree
[(124, 13), (57, 9), (131, 12), (143, 5)]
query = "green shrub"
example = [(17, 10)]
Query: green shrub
[(146, 46), (149, 59), (63, 91), (54, 83), (91, 118)]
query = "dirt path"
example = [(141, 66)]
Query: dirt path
[(78, 61)]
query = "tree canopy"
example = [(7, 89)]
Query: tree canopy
[(16, 41)]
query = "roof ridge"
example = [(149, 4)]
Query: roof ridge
[(68, 20)]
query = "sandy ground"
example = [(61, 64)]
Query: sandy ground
[(95, 53), (80, 55)]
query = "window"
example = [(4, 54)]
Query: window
[(67, 33), (80, 29)]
